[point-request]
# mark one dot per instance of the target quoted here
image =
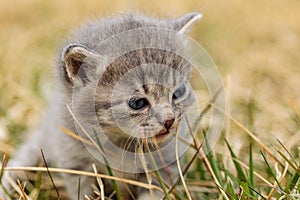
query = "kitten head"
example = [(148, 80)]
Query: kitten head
[(139, 93), (146, 100)]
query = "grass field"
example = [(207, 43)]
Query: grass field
[(256, 46)]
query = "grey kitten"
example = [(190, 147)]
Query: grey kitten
[(128, 90)]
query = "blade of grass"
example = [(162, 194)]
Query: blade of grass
[(78, 189), (286, 158), (251, 169), (142, 158), (157, 173), (22, 190), (271, 194), (227, 194), (108, 168), (230, 190), (38, 183), (188, 195), (161, 157), (241, 174), (255, 173), (12, 184), (196, 144), (250, 134), (205, 160), (75, 136), (50, 176), (3, 165), (230, 176), (86, 197), (187, 167), (111, 195), (270, 169), (84, 131), (100, 183), (207, 107), (246, 189), (292, 157), (213, 162), (261, 196), (292, 183), (241, 193), (243, 182), (84, 173), (47, 195)]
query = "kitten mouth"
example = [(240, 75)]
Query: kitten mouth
[(162, 134)]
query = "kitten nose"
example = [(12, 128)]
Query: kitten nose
[(168, 123)]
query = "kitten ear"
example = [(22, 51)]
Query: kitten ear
[(79, 62), (184, 24)]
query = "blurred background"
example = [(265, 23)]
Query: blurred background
[(255, 44)]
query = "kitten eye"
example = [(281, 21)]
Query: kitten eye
[(179, 92), (137, 104)]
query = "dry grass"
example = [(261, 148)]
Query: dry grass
[(256, 44)]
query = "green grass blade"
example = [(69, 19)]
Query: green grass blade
[(292, 183), (230, 190), (38, 183), (230, 176), (47, 195), (261, 196), (286, 158), (285, 149), (241, 174), (157, 173), (251, 171), (187, 167), (247, 191), (213, 163), (270, 169), (3, 164), (113, 182), (243, 182)]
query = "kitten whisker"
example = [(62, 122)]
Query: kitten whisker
[(127, 145), (136, 153)]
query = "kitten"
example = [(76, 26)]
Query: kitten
[(128, 90)]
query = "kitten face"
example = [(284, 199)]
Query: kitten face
[(147, 100), (151, 100)]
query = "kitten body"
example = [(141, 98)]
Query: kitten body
[(120, 97)]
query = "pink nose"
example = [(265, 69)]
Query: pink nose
[(168, 123)]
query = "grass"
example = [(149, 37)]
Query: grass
[(256, 46)]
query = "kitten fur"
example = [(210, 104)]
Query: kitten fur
[(86, 77)]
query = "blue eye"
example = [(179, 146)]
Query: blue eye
[(137, 104), (179, 92)]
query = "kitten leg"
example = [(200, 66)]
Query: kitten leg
[(144, 194), (28, 155), (150, 196), (68, 158), (72, 184)]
